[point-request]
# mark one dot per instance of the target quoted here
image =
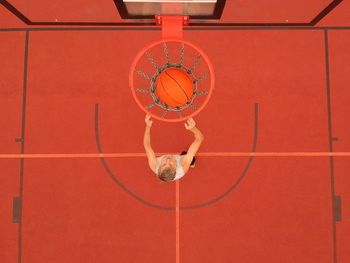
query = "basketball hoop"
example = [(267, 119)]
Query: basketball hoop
[(171, 54)]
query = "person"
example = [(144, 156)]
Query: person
[(172, 167)]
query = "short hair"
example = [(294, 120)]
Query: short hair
[(167, 175)]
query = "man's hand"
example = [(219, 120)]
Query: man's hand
[(152, 161), (190, 124), (191, 152), (148, 121)]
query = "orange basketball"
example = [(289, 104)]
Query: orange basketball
[(174, 87)]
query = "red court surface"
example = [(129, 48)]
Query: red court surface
[(278, 90)]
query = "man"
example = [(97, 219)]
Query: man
[(172, 167)]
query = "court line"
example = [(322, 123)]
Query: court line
[(177, 212), (202, 154), (193, 28), (330, 136), (200, 205), (22, 141)]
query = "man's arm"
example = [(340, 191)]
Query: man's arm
[(190, 125), (152, 162)]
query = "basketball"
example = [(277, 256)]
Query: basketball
[(174, 87)]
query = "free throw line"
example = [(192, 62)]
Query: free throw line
[(204, 154)]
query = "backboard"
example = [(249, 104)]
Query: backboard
[(147, 9)]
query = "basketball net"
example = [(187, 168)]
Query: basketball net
[(171, 52)]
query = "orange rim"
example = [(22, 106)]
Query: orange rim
[(143, 51)]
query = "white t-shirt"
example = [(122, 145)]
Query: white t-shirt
[(179, 169)]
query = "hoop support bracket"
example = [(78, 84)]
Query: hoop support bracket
[(172, 26)]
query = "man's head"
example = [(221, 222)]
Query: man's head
[(167, 169)]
